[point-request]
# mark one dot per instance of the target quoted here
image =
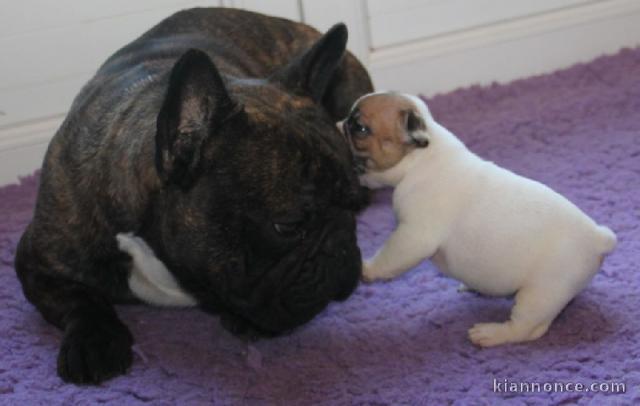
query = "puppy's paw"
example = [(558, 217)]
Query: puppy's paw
[(368, 274), (93, 351), (489, 334)]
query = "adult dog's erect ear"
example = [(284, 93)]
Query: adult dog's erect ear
[(311, 72), (196, 103)]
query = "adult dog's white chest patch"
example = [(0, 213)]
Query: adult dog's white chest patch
[(150, 280)]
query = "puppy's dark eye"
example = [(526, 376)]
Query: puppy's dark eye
[(288, 229), (357, 130), (361, 129)]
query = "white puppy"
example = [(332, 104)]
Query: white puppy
[(497, 232)]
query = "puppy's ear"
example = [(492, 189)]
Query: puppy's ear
[(195, 105), (310, 73), (415, 129)]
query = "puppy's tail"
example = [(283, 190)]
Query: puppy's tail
[(607, 238)]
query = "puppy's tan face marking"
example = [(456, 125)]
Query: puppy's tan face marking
[(380, 128)]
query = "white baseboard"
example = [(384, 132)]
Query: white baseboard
[(509, 50)]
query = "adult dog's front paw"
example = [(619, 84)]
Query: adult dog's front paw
[(94, 350)]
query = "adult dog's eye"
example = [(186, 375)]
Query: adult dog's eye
[(288, 229)]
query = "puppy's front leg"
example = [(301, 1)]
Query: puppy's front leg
[(404, 249)]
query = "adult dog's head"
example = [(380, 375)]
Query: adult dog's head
[(259, 193)]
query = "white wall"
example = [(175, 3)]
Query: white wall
[(50, 48), (509, 48)]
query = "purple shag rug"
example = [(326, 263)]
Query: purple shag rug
[(404, 342)]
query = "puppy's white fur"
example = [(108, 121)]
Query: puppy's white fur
[(497, 232), (150, 280)]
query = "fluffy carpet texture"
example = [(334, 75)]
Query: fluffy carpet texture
[(403, 342)]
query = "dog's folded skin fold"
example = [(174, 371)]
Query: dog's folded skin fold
[(211, 139)]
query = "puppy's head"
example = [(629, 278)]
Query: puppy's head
[(383, 128)]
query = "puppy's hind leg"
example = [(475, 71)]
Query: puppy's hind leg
[(538, 302), (534, 309)]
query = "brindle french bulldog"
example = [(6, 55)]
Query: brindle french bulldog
[(212, 138)]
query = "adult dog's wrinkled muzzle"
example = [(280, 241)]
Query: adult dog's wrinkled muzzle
[(325, 267)]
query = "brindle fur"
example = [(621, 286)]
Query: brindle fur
[(200, 162)]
